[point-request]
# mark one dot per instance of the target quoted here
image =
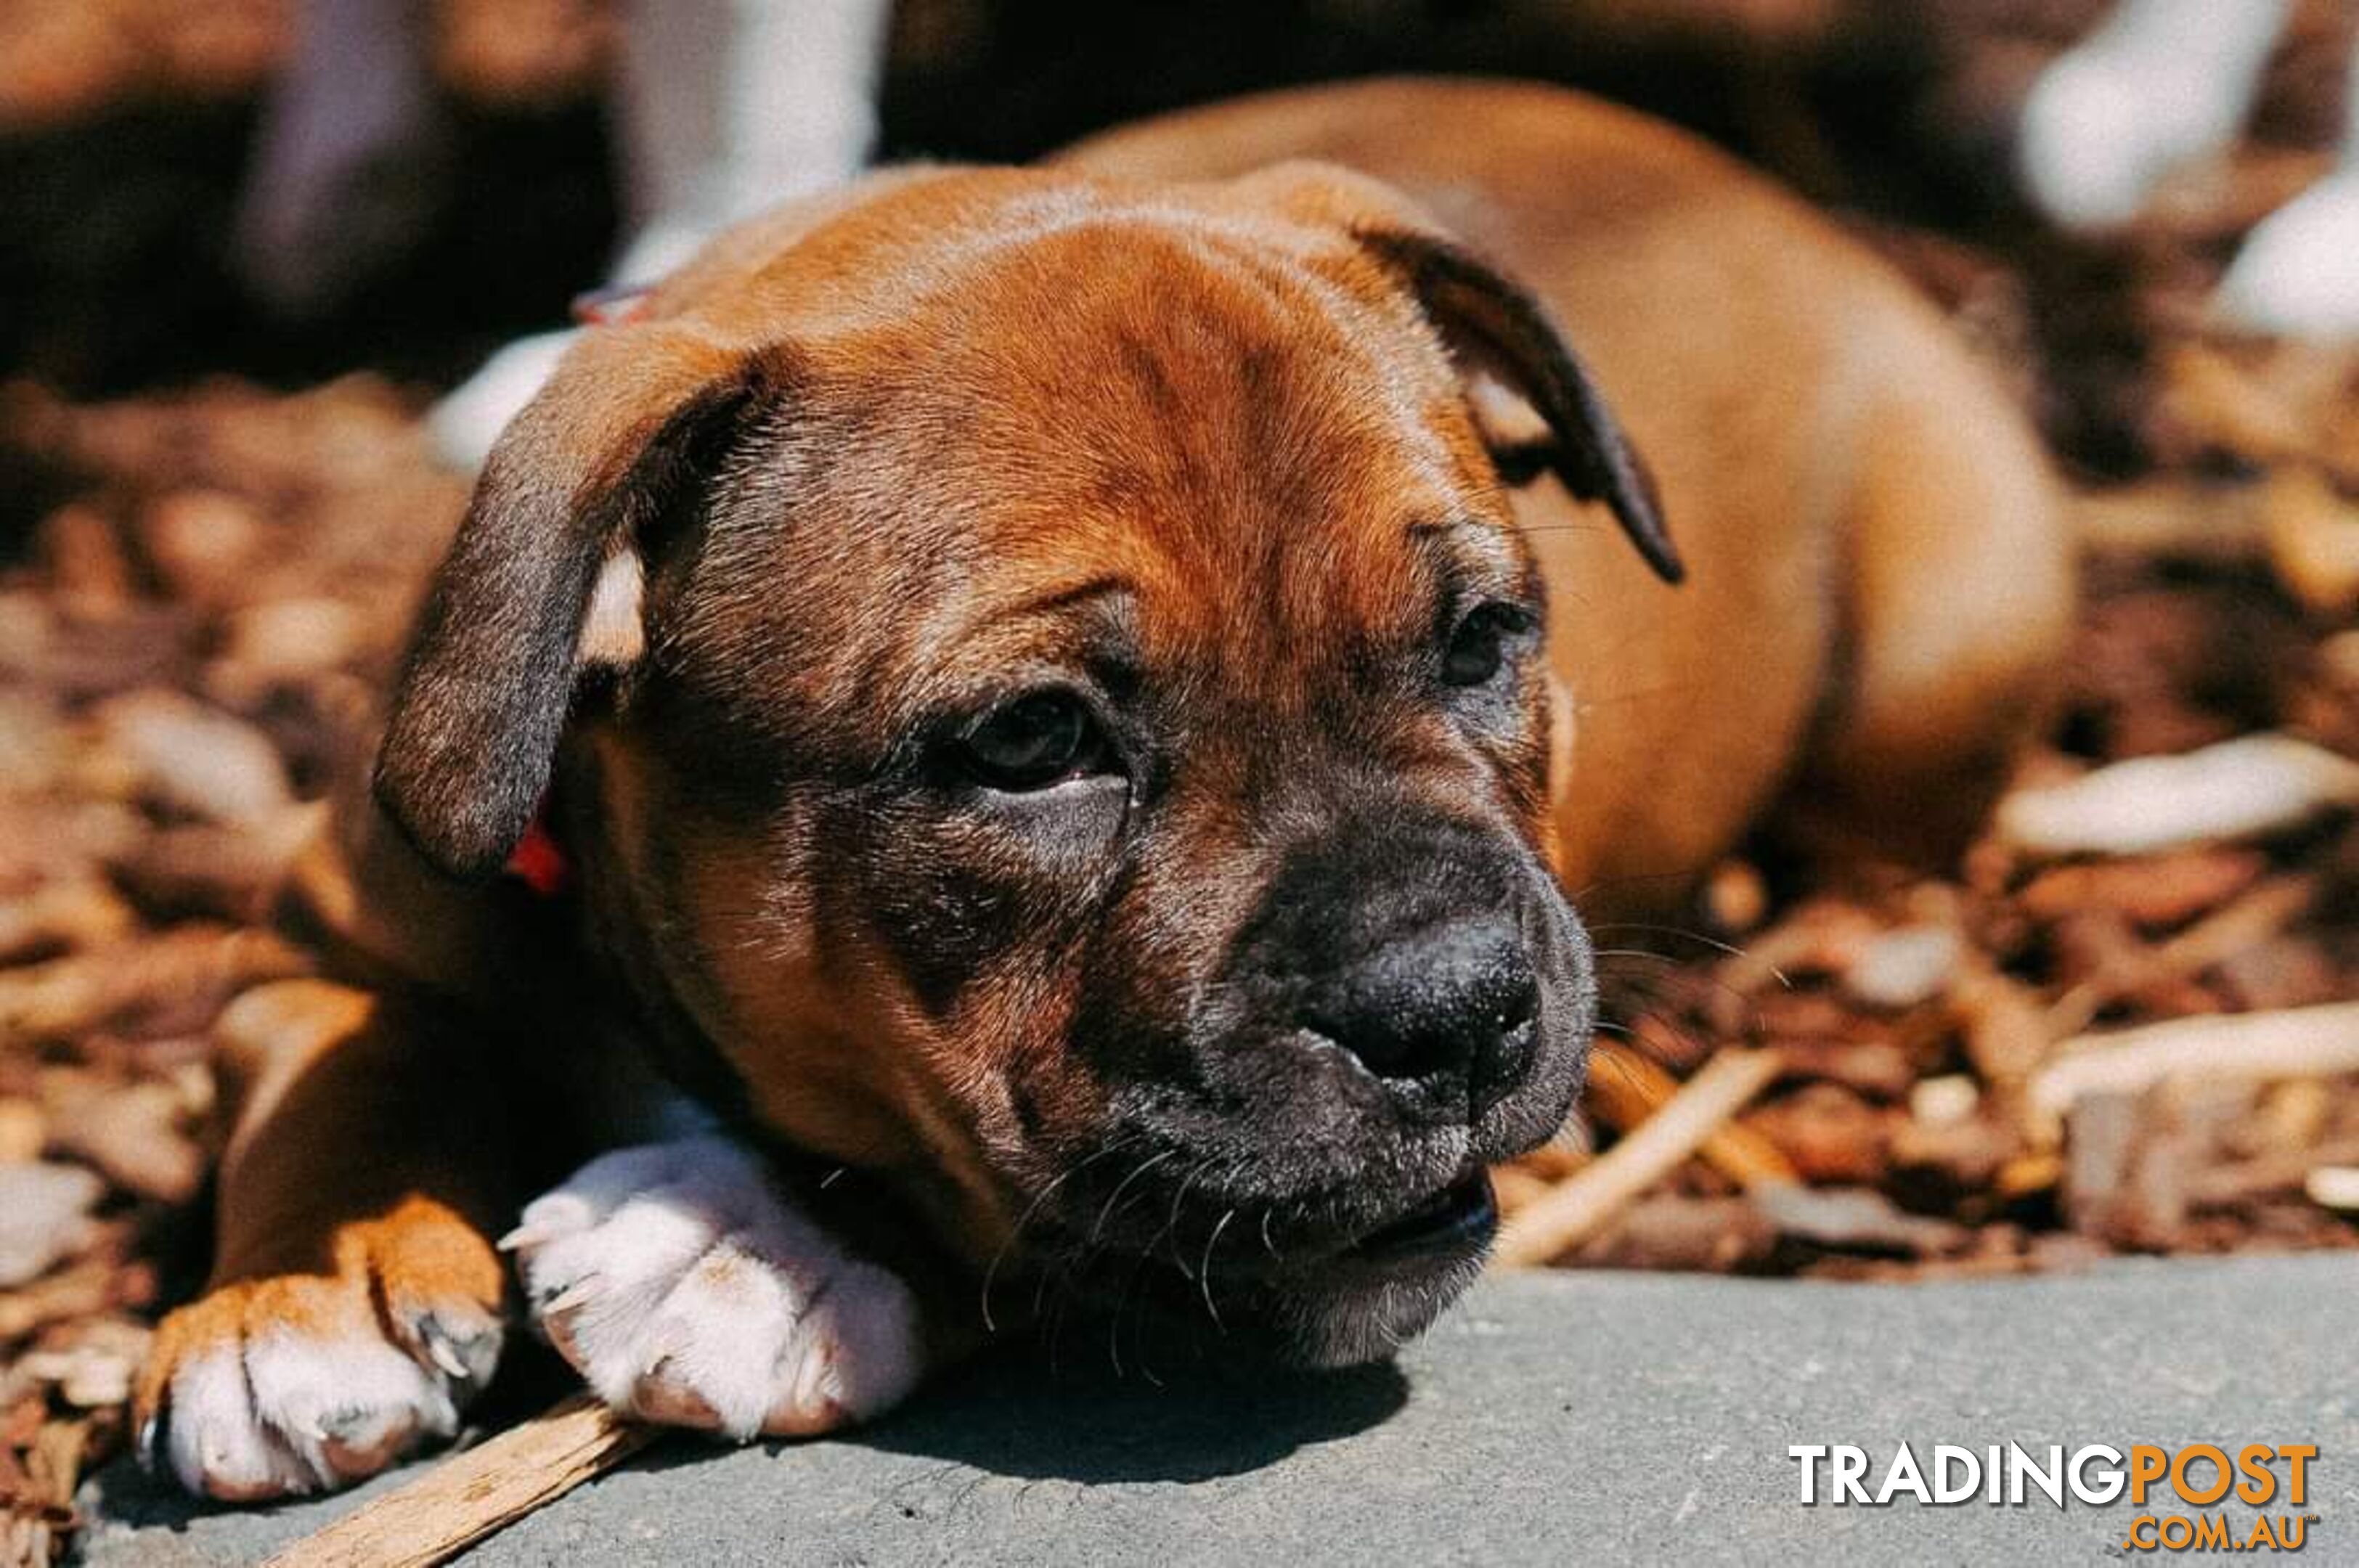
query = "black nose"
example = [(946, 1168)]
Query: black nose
[(1452, 1001)]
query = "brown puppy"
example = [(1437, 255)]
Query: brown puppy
[(1070, 700)]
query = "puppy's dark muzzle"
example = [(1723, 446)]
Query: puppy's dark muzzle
[(1304, 1164), (1446, 1014), (1409, 1002), (1411, 998)]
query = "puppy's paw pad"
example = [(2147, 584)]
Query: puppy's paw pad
[(687, 1289), (302, 1383)]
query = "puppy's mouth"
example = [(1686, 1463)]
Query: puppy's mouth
[(1260, 1239), (1458, 1220)]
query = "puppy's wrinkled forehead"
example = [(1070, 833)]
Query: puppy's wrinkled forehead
[(1118, 404), (819, 446)]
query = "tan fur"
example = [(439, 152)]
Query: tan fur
[(1856, 498)]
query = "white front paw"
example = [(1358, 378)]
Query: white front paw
[(687, 1288)]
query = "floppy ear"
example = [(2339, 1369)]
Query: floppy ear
[(1510, 332), (613, 444)]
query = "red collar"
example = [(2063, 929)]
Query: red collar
[(538, 861), (611, 306)]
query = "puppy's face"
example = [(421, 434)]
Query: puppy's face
[(1087, 760)]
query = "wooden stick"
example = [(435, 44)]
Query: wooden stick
[(2217, 526), (470, 1495), (2243, 788), (2296, 1043), (2249, 922), (2287, 1172), (1627, 1088), (1582, 1205), (2334, 1187)]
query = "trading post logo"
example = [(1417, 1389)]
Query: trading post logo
[(2204, 1497)]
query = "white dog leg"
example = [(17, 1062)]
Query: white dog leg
[(730, 106), (2161, 83), (2298, 272), (736, 105)]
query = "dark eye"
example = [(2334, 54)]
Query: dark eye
[(1478, 647), (1036, 742)]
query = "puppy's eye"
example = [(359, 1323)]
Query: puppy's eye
[(1036, 742), (1477, 648)]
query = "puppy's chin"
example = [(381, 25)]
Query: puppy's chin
[(1352, 1304), (1348, 1318), (1324, 1320)]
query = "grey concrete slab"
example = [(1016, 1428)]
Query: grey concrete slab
[(1553, 1418)]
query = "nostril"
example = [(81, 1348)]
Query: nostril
[(1389, 1053), (1366, 1036), (1503, 1058), (1519, 1000)]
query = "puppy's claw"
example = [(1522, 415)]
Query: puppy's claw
[(466, 1358), (362, 1439), (525, 1235), (281, 1386)]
